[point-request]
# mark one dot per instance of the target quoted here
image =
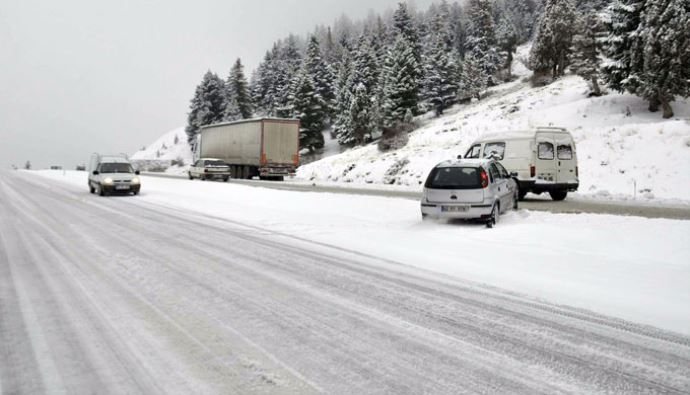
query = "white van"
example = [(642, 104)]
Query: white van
[(109, 174), (545, 159)]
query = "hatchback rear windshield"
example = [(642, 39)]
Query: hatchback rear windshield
[(454, 178), (115, 168), (215, 163)]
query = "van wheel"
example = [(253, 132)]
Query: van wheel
[(495, 214), (521, 194), (558, 195)]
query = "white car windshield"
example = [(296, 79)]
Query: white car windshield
[(115, 168)]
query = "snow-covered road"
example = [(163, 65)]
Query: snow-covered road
[(145, 295)]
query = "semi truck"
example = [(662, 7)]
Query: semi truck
[(267, 148)]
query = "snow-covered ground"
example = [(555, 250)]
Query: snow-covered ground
[(633, 268), (624, 151), (172, 146)]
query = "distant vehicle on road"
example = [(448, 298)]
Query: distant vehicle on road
[(109, 174), (544, 158), (265, 147), (81, 168), (469, 189), (55, 167), (208, 169)]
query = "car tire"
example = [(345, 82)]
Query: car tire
[(225, 179), (91, 189), (516, 199), (135, 193), (100, 191), (190, 176), (558, 195), (495, 215)]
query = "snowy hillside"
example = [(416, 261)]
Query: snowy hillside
[(624, 150), (171, 146)]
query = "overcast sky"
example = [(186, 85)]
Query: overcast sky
[(82, 76)]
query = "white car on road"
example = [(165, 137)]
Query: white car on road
[(469, 189), (209, 168)]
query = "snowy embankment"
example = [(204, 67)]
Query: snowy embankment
[(172, 146), (577, 260), (624, 151)]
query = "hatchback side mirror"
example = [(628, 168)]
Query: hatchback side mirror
[(459, 157), (514, 174), (137, 172), (95, 172)]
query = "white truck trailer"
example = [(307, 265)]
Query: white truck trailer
[(265, 147)]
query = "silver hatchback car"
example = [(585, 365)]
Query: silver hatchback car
[(469, 189)]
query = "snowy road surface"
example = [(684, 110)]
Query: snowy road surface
[(573, 205), (126, 295)]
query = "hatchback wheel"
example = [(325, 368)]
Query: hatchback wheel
[(516, 199), (190, 176), (495, 214)]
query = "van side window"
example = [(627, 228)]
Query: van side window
[(498, 149), (545, 151), (565, 152), (473, 152)]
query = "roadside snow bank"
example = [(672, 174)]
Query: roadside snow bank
[(171, 146), (624, 151), (633, 268)]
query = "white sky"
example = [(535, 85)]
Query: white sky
[(82, 76)]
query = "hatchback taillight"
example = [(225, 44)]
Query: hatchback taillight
[(485, 178), (532, 171)]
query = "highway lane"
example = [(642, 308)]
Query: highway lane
[(114, 295), (537, 203)]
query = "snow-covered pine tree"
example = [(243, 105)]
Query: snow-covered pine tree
[(405, 25), (473, 80), (553, 43), (507, 40), (342, 126), (238, 99), (481, 37), (263, 81), (361, 120), (586, 52), (619, 71), (286, 76), (665, 32), (458, 25), (322, 76), (308, 108), (440, 82), (365, 66), (207, 106), (401, 83)]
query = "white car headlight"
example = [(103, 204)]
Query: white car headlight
[(135, 180), (108, 181)]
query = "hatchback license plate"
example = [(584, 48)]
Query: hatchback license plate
[(121, 187), (454, 209)]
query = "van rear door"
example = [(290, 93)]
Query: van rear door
[(566, 159), (546, 158)]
